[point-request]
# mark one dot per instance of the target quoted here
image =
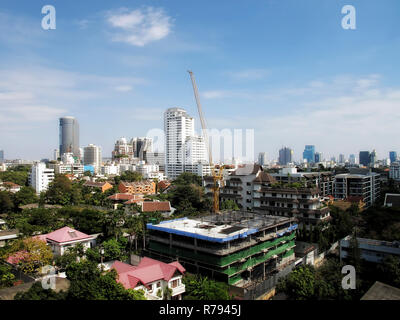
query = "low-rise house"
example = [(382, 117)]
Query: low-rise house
[(164, 207), (63, 239), (10, 186), (153, 277), (103, 186)]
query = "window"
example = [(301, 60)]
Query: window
[(248, 184), (158, 284), (174, 283)]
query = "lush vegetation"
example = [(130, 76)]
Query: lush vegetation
[(202, 288), (7, 278), (18, 175)]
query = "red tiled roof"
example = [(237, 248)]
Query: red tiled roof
[(11, 184), (121, 196), (151, 206), (148, 270), (94, 184), (164, 184), (66, 234)]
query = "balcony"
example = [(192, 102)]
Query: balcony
[(178, 290)]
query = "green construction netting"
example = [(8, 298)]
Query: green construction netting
[(252, 261), (222, 261)]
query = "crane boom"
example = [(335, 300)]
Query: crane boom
[(216, 177)]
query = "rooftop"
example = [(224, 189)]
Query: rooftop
[(381, 291), (220, 228)]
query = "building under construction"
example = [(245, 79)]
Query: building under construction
[(235, 247)]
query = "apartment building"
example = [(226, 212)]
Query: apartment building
[(40, 177), (394, 171), (365, 186), (238, 248), (253, 189), (137, 187), (322, 180)]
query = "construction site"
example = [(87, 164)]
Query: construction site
[(238, 248)]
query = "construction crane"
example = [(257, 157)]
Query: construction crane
[(217, 177)]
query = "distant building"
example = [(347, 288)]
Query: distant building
[(394, 171), (157, 158), (365, 186), (318, 157), (262, 158), (103, 186), (1, 156), (309, 153), (40, 177), (372, 158), (393, 156), (69, 136), (123, 151), (137, 187), (110, 169), (342, 159), (92, 156), (285, 156), (364, 158), (184, 151), (56, 154), (352, 159)]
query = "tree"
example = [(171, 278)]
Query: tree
[(299, 284), (59, 191), (25, 195), (37, 292), (6, 276), (6, 204), (113, 250), (33, 254), (390, 270), (89, 283), (202, 288), (187, 178)]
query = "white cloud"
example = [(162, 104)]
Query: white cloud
[(123, 88), (141, 26), (249, 74)]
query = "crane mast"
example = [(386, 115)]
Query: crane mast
[(217, 178)]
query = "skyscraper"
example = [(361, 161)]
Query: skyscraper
[(342, 158), (69, 136), (372, 157), (285, 156), (184, 151), (309, 153), (1, 156), (262, 158), (364, 158), (318, 157), (352, 159), (392, 156)]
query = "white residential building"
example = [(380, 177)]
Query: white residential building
[(184, 151), (40, 177)]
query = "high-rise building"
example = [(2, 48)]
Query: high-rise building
[(92, 156), (184, 151), (285, 156), (56, 154), (372, 157), (352, 159), (123, 151), (393, 156), (1, 156), (364, 158), (262, 158), (318, 157), (143, 145), (342, 159), (40, 177), (69, 136), (309, 153)]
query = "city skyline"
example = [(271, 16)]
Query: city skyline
[(337, 90)]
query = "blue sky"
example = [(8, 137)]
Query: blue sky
[(285, 68)]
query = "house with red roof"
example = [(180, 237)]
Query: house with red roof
[(62, 239), (153, 277)]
